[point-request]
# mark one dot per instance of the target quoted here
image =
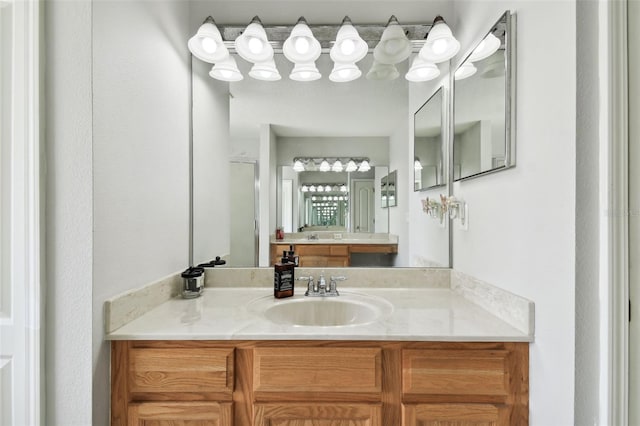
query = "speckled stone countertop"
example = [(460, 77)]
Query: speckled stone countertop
[(417, 314)]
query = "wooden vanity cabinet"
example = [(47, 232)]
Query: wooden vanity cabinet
[(329, 255), (336, 383)]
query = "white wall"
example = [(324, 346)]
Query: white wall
[(69, 197), (521, 233), (400, 159), (376, 148), (211, 147), (140, 163), (267, 194)]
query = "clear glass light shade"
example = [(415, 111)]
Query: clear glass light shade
[(487, 47), (207, 44), (337, 166), (265, 71), (394, 46), (351, 166), (226, 70), (298, 166), (422, 70), (252, 45), (301, 46), (324, 166), (364, 166), (349, 46), (343, 73), (465, 70), (441, 45), (305, 72), (380, 71)]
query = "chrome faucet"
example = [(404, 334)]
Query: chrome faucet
[(321, 288)]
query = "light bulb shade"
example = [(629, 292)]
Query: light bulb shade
[(465, 70), (380, 71), (487, 47), (327, 188), (298, 166), (312, 188), (349, 46), (301, 46), (440, 45), (351, 166), (320, 188), (324, 166), (417, 165), (422, 70), (305, 72), (337, 166), (364, 166), (252, 45), (207, 44), (226, 70), (343, 188), (265, 71), (343, 72), (305, 188), (394, 46)]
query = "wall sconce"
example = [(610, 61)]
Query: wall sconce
[(448, 206), (434, 208), (207, 44)]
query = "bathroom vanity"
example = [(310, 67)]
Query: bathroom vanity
[(421, 354)]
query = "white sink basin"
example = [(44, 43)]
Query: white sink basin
[(345, 310)]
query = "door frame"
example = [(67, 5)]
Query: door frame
[(256, 203)]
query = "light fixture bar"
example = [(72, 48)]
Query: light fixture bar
[(326, 34)]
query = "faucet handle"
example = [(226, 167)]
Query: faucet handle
[(333, 285), (310, 286)]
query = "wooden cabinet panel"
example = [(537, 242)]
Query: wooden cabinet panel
[(456, 415), (306, 370), (455, 372), (181, 370), (332, 414), (180, 414)]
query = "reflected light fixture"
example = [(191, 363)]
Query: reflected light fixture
[(394, 46), (305, 188), (252, 45), (265, 71), (301, 46), (305, 72), (349, 47), (416, 164), (465, 70), (380, 71), (344, 72), (320, 188), (422, 70), (327, 188), (337, 166), (312, 188), (441, 45), (324, 166), (364, 166), (298, 166), (226, 70), (487, 47), (207, 44), (343, 188), (351, 166)]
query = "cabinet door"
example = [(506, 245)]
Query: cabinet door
[(180, 414), (328, 414), (456, 415)]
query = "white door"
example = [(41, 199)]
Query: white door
[(244, 232), (20, 337), (634, 207), (363, 206)]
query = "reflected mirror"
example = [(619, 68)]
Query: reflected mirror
[(388, 190), (428, 144), (484, 140)]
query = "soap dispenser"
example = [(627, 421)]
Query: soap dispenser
[(283, 277)]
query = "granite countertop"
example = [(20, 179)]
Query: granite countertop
[(427, 314)]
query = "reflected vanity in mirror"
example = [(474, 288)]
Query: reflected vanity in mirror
[(484, 135), (428, 144)]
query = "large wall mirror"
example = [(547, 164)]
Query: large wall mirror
[(428, 144), (484, 135)]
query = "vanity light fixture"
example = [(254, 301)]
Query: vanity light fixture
[(349, 47), (394, 46), (364, 166), (324, 166), (344, 72), (327, 188), (422, 70), (465, 70), (252, 45), (351, 166), (320, 188), (305, 72), (312, 188), (207, 44), (265, 71), (303, 50), (337, 166), (441, 45), (343, 188), (226, 70), (305, 188), (487, 47), (416, 164), (380, 71), (298, 166)]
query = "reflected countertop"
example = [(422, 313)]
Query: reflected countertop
[(325, 237), (427, 314)]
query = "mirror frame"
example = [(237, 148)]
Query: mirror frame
[(443, 142), (510, 99)]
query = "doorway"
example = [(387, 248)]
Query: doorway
[(363, 206), (244, 214)]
